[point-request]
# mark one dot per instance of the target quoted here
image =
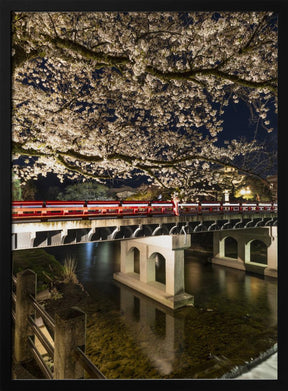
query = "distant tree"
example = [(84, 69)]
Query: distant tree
[(150, 192), (16, 190), (52, 193), (88, 191), (26, 191), (29, 190)]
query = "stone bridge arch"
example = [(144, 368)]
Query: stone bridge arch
[(159, 267), (169, 250), (134, 253), (223, 242), (130, 259), (250, 255), (246, 238), (145, 261)]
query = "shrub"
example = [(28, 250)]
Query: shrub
[(69, 270)]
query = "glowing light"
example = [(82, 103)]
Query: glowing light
[(246, 191)]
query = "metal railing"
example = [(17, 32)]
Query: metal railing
[(28, 332)]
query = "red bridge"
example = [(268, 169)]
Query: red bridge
[(156, 227), (47, 210)]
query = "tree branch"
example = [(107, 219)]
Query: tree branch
[(152, 163), (22, 56), (86, 52), (190, 75), (78, 170)]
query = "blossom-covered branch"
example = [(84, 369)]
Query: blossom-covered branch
[(117, 94)]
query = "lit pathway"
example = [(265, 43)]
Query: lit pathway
[(266, 370)]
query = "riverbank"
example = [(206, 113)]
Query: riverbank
[(111, 346), (221, 332), (43, 264), (263, 367), (266, 370)]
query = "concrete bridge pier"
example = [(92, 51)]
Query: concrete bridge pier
[(219, 255), (272, 253), (146, 252), (243, 239)]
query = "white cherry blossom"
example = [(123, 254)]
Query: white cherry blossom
[(115, 94)]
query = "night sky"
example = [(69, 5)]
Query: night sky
[(237, 123)]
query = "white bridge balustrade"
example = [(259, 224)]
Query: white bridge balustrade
[(171, 247)]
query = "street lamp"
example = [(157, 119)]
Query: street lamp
[(226, 195), (245, 192)]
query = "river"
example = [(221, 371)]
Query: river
[(233, 321)]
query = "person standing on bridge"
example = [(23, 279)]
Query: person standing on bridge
[(175, 202)]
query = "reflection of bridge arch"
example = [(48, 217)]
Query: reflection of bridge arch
[(159, 333)]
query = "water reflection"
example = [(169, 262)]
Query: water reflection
[(89, 249), (155, 328), (211, 282), (96, 263), (188, 338)]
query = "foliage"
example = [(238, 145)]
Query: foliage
[(16, 190), (69, 270), (85, 191), (51, 193), (118, 94), (150, 192), (26, 191), (55, 294), (39, 261), (29, 190)]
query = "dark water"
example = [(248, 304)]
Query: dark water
[(234, 318)]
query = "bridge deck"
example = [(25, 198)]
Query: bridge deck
[(56, 232)]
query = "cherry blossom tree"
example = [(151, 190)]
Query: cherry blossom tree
[(116, 94)]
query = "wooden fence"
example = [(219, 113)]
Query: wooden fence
[(57, 345)]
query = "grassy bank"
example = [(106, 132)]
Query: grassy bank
[(39, 261)]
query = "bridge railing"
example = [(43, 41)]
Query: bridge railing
[(57, 345), (35, 210)]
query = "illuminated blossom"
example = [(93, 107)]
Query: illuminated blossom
[(115, 94)]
